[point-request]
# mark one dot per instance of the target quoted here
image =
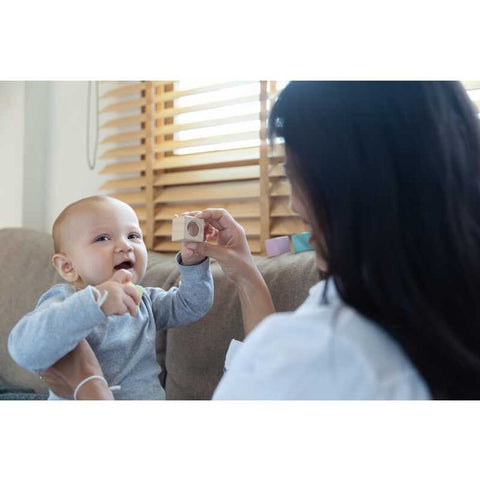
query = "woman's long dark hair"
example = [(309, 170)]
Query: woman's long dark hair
[(391, 172)]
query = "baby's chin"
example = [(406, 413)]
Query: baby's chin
[(136, 276)]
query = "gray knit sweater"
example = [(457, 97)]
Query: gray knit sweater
[(124, 345)]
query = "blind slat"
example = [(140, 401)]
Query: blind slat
[(166, 96), (280, 207), (115, 107), (210, 175), (172, 128), (124, 121), (280, 188), (198, 142), (245, 209), (124, 167), (171, 112), (208, 158), (124, 152), (141, 213), (124, 137), (132, 198), (287, 226), (122, 184), (117, 92), (205, 193), (277, 170)]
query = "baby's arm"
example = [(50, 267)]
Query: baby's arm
[(60, 320), (188, 302)]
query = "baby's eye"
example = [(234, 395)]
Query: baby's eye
[(134, 235), (102, 238)]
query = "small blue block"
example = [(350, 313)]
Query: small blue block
[(300, 242)]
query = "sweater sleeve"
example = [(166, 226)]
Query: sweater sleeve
[(188, 302), (60, 320)]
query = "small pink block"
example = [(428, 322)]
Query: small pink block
[(277, 246)]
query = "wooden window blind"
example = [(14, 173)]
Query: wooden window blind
[(174, 146)]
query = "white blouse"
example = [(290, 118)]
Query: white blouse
[(319, 352)]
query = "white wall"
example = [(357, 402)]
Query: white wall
[(12, 101), (35, 153), (69, 177), (43, 151)]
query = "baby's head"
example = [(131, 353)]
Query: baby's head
[(96, 236)]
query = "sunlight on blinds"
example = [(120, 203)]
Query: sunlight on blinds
[(243, 104)]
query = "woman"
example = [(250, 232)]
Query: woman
[(386, 176)]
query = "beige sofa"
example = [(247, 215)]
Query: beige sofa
[(191, 357)]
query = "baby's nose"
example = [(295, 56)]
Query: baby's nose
[(123, 246)]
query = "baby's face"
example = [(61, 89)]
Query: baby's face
[(103, 237)]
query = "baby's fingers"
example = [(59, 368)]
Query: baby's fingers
[(133, 291), (210, 232), (130, 305)]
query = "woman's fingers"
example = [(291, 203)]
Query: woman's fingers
[(217, 217), (56, 383)]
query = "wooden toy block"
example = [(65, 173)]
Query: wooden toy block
[(187, 229), (277, 246), (300, 242)]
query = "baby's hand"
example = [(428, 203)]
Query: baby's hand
[(190, 257), (123, 297)]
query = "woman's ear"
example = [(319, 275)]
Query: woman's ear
[(64, 267)]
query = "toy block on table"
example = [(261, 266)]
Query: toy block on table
[(301, 243), (277, 246), (187, 229)]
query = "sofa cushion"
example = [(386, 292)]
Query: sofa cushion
[(11, 392), (195, 354), (25, 256)]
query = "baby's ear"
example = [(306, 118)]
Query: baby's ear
[(64, 267)]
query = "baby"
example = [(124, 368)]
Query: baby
[(99, 251)]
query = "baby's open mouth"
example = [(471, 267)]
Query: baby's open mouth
[(126, 265)]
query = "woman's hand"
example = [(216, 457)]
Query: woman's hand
[(231, 249), (233, 254), (64, 376)]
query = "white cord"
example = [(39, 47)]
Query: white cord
[(92, 161)]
